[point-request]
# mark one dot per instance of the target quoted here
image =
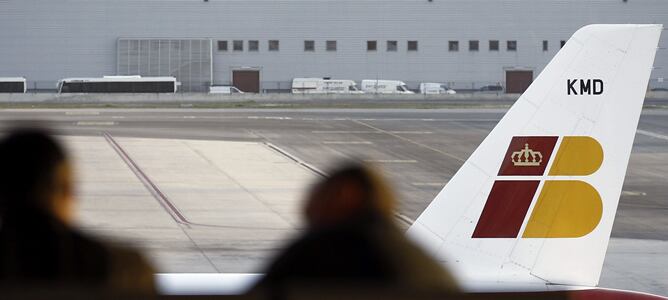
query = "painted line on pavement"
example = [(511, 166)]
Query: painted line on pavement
[(411, 141), (391, 161), (435, 184), (344, 131), (296, 159), (169, 207), (347, 143), (652, 134), (268, 118), (633, 193), (367, 131), (82, 113), (317, 171), (162, 199), (411, 132), (404, 219), (94, 123)]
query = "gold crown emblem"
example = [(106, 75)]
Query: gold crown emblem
[(526, 157)]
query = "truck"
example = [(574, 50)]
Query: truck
[(324, 86), (224, 89), (434, 88), (375, 86)]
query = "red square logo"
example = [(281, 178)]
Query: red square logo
[(505, 209), (527, 155)]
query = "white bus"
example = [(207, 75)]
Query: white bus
[(13, 85), (324, 86), (119, 84)]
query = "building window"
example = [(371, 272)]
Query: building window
[(563, 43), (511, 45), (222, 45), (330, 45), (412, 46), (371, 46), (253, 45), (493, 45), (392, 46), (309, 46), (545, 45), (474, 45), (453, 46), (238, 45), (273, 45)]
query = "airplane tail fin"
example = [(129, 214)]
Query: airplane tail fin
[(536, 201)]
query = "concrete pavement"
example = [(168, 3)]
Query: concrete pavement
[(188, 152), (239, 201)]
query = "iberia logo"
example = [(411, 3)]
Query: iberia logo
[(565, 208)]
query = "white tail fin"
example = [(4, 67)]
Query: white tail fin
[(535, 203)]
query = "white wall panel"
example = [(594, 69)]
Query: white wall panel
[(48, 40)]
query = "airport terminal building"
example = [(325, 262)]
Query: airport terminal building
[(261, 45)]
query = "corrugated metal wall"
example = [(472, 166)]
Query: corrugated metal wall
[(189, 60), (48, 40)]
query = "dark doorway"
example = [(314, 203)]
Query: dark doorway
[(247, 81), (518, 81)]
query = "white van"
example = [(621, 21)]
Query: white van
[(373, 86), (433, 88), (224, 89), (324, 86)]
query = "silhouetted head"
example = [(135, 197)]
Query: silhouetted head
[(35, 173), (350, 192)]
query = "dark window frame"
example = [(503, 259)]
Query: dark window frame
[(223, 46), (392, 46), (474, 45), (238, 45), (371, 45), (453, 46), (412, 45), (309, 46), (331, 45), (493, 45), (273, 45), (253, 46), (511, 45)]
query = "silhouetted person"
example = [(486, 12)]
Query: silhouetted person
[(38, 245), (352, 239)]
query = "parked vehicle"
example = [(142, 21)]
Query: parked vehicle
[(118, 84), (13, 85), (491, 88), (372, 86), (324, 86), (224, 89), (433, 88)]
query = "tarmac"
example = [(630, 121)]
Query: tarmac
[(209, 190), (196, 206)]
